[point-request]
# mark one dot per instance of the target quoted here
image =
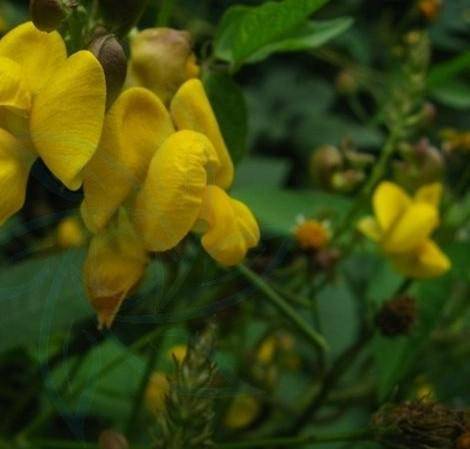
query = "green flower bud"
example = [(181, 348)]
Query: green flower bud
[(47, 15), (121, 15), (112, 57), (325, 161)]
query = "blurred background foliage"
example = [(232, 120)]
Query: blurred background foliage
[(63, 379)]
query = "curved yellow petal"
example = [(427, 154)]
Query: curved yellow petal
[(370, 228), (67, 117), (412, 228), (39, 54), (430, 193), (427, 261), (231, 227), (114, 265), (389, 202), (134, 128), (13, 89), (191, 110), (169, 203), (14, 171)]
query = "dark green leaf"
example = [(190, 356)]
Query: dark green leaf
[(229, 105), (454, 94), (266, 172)]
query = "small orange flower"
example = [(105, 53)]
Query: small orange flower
[(312, 234)]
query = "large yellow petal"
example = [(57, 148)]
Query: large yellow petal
[(135, 127), (114, 265), (389, 202), (39, 54), (67, 117), (14, 169), (412, 228), (169, 203), (231, 227), (370, 228), (14, 92), (430, 193), (427, 261), (191, 110)]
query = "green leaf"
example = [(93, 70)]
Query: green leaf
[(229, 105), (277, 210), (40, 298), (312, 35), (266, 172), (244, 30), (455, 94), (447, 70)]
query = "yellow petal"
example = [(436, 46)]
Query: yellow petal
[(231, 228), (114, 265), (191, 110), (13, 89), (39, 54), (430, 193), (14, 170), (169, 203), (67, 117), (370, 228), (389, 202), (412, 228), (427, 261), (134, 128)]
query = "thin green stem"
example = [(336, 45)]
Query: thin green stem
[(280, 303), (165, 12), (353, 436)]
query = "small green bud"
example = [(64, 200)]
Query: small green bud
[(112, 57), (122, 15), (325, 161), (47, 15)]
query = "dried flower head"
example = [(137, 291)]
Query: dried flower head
[(397, 317)]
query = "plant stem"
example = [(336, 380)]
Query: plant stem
[(361, 435), (279, 302), (166, 10)]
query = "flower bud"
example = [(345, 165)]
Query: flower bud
[(156, 392), (397, 317), (70, 233), (114, 266), (243, 411), (324, 162), (161, 60), (110, 439), (112, 57), (121, 15), (346, 82), (347, 181), (464, 441), (47, 15), (430, 9)]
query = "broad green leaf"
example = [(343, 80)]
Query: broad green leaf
[(447, 70), (229, 105), (454, 94), (277, 210), (259, 171), (312, 35), (244, 30), (41, 297)]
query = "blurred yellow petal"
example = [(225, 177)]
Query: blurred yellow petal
[(427, 261), (191, 110), (389, 202), (412, 228), (370, 228), (156, 392), (67, 117), (243, 411), (14, 92), (169, 203), (115, 264), (39, 54), (430, 193), (134, 128), (231, 228), (14, 171)]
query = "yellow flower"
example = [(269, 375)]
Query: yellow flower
[(70, 233), (178, 352), (402, 227), (115, 264), (311, 234), (172, 177), (243, 411), (51, 107), (156, 392)]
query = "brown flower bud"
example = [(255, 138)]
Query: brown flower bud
[(397, 317), (324, 162), (430, 9), (47, 15), (110, 439), (161, 60), (346, 82), (112, 57), (121, 15), (463, 441)]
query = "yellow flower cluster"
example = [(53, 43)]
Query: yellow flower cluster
[(150, 174), (402, 227)]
